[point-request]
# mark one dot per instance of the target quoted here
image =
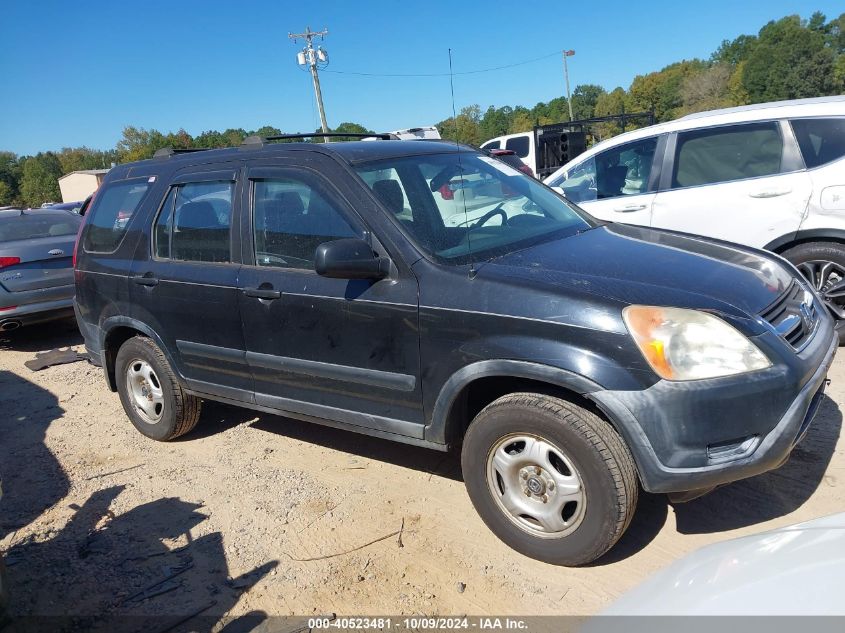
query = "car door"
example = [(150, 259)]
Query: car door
[(618, 184), (743, 183), (336, 349), (184, 280)]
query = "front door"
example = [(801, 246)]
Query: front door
[(184, 282), (343, 350), (618, 184)]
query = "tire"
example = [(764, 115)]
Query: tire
[(809, 259), (144, 375), (572, 440)]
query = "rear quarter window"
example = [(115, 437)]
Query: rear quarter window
[(109, 217), (519, 145), (821, 141)]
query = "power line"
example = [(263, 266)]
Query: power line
[(465, 72)]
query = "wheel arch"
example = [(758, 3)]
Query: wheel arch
[(785, 242), (116, 331), (473, 387)]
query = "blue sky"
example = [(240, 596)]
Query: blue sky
[(76, 73)]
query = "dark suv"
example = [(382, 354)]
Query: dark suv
[(573, 360)]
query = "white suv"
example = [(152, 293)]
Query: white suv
[(769, 176)]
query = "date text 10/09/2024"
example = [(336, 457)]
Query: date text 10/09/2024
[(417, 623)]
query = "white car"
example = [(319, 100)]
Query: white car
[(770, 176)]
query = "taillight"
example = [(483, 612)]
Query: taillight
[(447, 193), (9, 261), (8, 308)]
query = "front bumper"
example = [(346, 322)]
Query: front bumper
[(702, 434)]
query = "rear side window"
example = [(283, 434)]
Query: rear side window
[(34, 225), (821, 140), (110, 215), (519, 145), (194, 223), (705, 157), (491, 145)]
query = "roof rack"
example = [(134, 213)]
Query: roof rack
[(257, 141), (167, 152)]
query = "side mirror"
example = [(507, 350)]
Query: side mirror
[(350, 259)]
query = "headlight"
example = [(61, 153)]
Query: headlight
[(682, 344)]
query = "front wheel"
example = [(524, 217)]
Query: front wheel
[(550, 479), (823, 265)]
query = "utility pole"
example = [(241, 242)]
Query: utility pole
[(313, 58), (566, 54)]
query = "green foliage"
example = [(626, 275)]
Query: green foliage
[(791, 60), (350, 128), (40, 179), (10, 175)]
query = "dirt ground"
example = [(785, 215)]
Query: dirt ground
[(93, 513)]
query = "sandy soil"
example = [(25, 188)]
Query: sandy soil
[(93, 513)]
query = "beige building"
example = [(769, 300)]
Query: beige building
[(78, 185)]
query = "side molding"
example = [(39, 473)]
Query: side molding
[(437, 431)]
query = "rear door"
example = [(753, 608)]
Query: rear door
[(36, 249), (337, 349), (184, 280), (743, 183), (618, 184)]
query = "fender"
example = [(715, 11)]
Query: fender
[(123, 321), (836, 235), (437, 431)]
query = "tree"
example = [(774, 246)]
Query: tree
[(608, 104), (660, 91), (465, 128), (732, 52), (10, 175), (707, 90), (40, 179), (350, 128), (790, 61), (584, 99)]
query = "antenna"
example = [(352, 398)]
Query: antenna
[(472, 271)]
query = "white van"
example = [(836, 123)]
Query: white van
[(521, 144), (770, 176)]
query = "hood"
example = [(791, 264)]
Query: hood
[(797, 570), (637, 265)]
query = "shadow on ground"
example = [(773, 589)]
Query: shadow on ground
[(772, 494), (217, 417), (41, 337), (101, 571), (743, 503)]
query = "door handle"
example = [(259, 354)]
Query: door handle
[(144, 280), (630, 208), (262, 293), (769, 193)]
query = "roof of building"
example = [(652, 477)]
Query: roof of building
[(90, 172)]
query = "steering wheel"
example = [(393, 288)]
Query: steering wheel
[(487, 216)]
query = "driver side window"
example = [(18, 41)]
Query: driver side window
[(290, 220)]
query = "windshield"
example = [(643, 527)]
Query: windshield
[(462, 206)]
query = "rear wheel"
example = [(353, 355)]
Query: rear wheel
[(550, 479), (150, 393), (823, 265)]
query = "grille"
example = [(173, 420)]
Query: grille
[(793, 316)]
